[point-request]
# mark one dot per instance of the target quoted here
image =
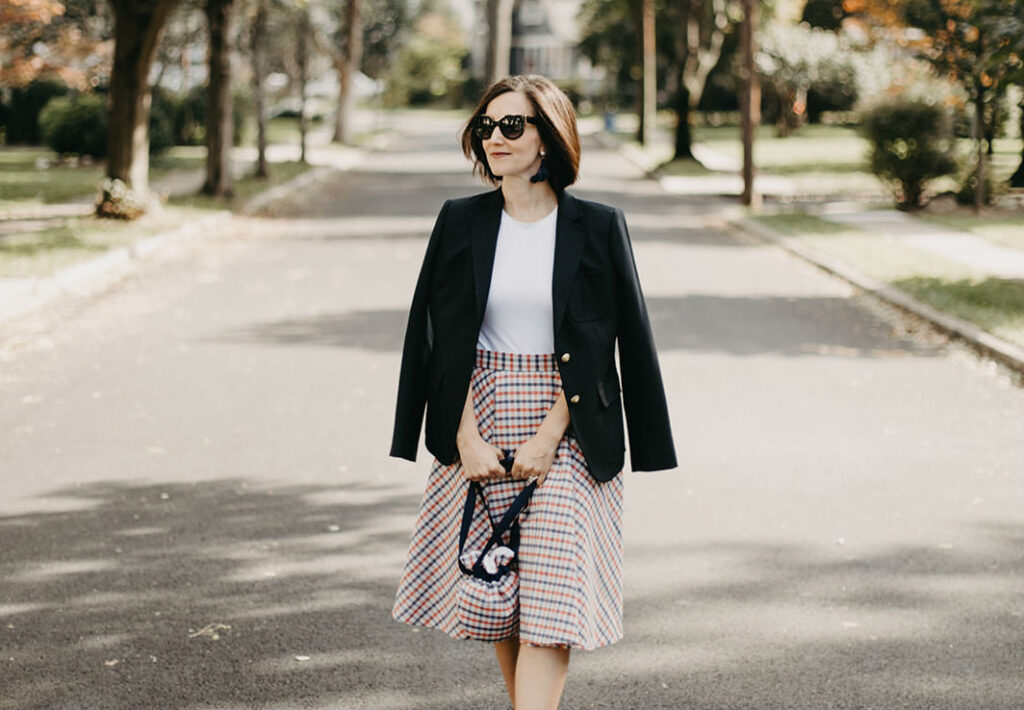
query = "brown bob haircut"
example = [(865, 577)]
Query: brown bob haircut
[(556, 122)]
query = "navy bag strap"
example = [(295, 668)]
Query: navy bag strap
[(509, 521)]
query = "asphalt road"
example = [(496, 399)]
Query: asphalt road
[(197, 510)]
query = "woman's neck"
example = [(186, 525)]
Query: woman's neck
[(528, 201)]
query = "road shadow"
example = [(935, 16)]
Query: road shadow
[(796, 326), (208, 595), (376, 330), (747, 326), (794, 627), (229, 595)]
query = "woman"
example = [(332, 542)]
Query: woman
[(523, 292)]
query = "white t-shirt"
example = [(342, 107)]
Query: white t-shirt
[(518, 316)]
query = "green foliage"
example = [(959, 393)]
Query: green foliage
[(19, 116), (383, 24), (826, 14), (190, 118), (243, 105), (910, 145), (75, 125), (179, 119), (976, 43), (429, 66), (966, 193), (610, 39), (162, 109), (801, 64)]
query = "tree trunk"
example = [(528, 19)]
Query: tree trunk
[(347, 68), (138, 26), (499, 27), (302, 60), (979, 135), (1017, 179), (218, 100), (684, 135), (750, 102), (650, 83), (259, 38)]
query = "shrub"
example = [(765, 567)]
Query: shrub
[(965, 194), (910, 145), (20, 113), (243, 106), (163, 111), (187, 114), (75, 124)]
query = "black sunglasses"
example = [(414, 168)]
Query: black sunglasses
[(512, 127)]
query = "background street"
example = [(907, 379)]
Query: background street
[(197, 509)]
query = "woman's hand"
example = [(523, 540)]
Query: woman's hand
[(480, 460), (534, 458)]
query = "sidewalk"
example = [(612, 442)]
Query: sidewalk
[(959, 246), (20, 296), (880, 250)]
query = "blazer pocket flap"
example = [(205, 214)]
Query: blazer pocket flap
[(608, 391)]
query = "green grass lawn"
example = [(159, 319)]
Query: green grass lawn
[(994, 304), (30, 175), (69, 241), (244, 188), (40, 252), (810, 149), (817, 159), (23, 182), (1005, 228)]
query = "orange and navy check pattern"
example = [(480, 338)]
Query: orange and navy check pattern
[(570, 550)]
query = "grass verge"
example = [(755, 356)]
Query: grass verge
[(1006, 228), (55, 244), (993, 304), (244, 188), (45, 251)]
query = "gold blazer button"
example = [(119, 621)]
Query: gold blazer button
[(566, 357), (575, 399)]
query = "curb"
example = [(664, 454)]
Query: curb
[(94, 275), (260, 200), (987, 344)]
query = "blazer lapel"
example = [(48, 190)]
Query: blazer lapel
[(483, 240), (570, 238)]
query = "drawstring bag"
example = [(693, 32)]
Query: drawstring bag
[(487, 604)]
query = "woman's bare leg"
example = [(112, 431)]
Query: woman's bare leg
[(507, 652), (540, 677)]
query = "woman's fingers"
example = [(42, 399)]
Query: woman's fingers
[(482, 462)]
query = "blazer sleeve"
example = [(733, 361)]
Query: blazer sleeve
[(419, 341), (650, 434)]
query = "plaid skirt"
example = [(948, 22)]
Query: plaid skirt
[(570, 550)]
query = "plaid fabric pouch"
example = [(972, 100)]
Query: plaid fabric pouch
[(487, 604)]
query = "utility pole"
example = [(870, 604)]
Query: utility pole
[(750, 106), (650, 100)]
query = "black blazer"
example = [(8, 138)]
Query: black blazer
[(597, 300)]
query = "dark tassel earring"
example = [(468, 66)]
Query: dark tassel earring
[(542, 171)]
